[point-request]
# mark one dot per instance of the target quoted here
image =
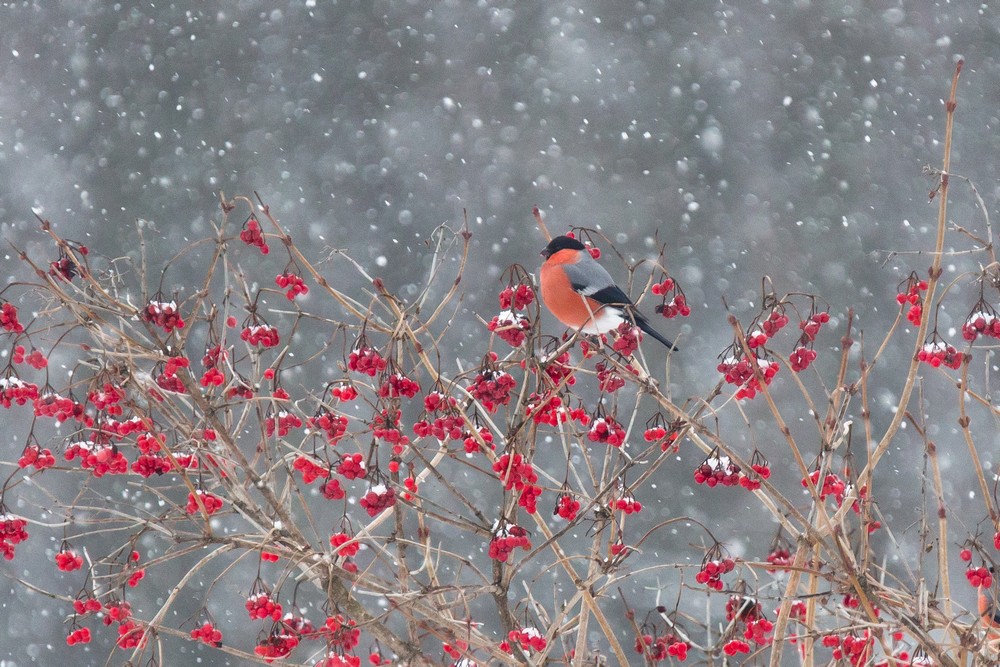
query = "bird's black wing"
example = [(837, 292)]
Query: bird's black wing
[(611, 295)]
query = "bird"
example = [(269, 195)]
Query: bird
[(989, 614), (581, 294)]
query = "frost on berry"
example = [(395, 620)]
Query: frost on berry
[(163, 314), (491, 386), (528, 638), (208, 633), (605, 429), (366, 359), (746, 372), (716, 469), (379, 497), (292, 283), (982, 320), (511, 327), (936, 353), (507, 536)]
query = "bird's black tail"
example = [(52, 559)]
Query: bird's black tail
[(644, 324)]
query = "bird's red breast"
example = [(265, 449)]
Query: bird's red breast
[(569, 307)]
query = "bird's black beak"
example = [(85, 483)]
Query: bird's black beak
[(545, 253)]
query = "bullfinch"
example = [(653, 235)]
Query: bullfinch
[(989, 614), (581, 293)]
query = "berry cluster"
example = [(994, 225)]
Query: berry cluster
[(435, 401), (283, 422), (492, 388), (910, 294), (528, 638), (982, 321), (8, 318), (168, 380), (78, 636), (332, 490), (397, 385), (628, 504), (767, 328), (57, 407), (608, 378), (628, 339), (855, 649), (337, 660), (213, 377), (801, 357), (293, 283), (758, 630), (516, 298), (351, 466), (341, 632), (455, 648), (14, 390), (131, 635), (85, 606), (507, 537), (35, 358), (759, 465), (253, 235), (68, 560), (208, 634), (212, 502), (711, 572), (605, 429), (107, 398), (739, 372), (511, 327), (832, 485), (448, 427), (735, 646), (345, 392), (717, 469), (661, 647), (366, 360), (811, 325), (37, 457), (979, 576), (261, 606), (276, 645), (550, 410), (147, 465), (100, 460), (566, 506), (310, 469), (260, 334), (64, 267), (779, 557), (472, 444), (559, 369), (386, 426), (214, 356), (378, 498), (163, 314), (676, 305), (345, 545), (332, 425), (517, 473)]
